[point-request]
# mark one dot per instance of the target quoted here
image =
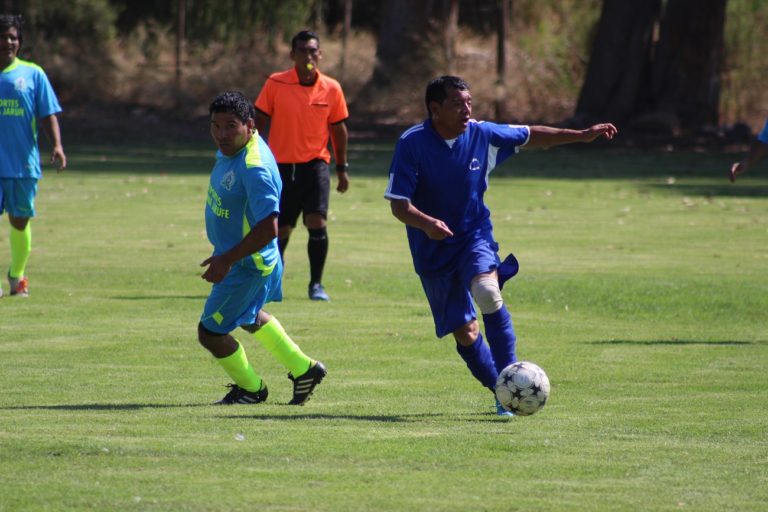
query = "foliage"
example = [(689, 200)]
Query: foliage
[(642, 293)]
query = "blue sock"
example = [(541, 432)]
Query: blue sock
[(480, 362), (501, 337)]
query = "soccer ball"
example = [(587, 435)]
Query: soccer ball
[(522, 388)]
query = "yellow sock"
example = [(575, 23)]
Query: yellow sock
[(240, 370), (274, 338), (21, 247)]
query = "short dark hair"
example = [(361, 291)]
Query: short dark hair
[(304, 35), (437, 89), (235, 102), (12, 21)]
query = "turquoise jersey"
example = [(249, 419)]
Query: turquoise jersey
[(244, 189), (26, 95)]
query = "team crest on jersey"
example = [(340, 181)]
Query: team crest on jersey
[(474, 165), (20, 84), (228, 181)]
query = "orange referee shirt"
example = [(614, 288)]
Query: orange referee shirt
[(300, 115)]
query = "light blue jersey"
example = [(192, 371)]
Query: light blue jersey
[(448, 182), (244, 190), (26, 96), (763, 135)]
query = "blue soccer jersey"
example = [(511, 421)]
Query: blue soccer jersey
[(448, 182), (763, 135), (244, 189), (26, 95)]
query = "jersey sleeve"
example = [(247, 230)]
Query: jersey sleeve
[(265, 100), (46, 102), (403, 172), (508, 138), (339, 111), (763, 135), (263, 193)]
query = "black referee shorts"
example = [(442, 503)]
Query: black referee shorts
[(306, 189)]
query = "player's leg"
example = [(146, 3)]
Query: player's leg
[(303, 371), (20, 203), (496, 319), (453, 313), (248, 388), (476, 354), (479, 275), (290, 207), (231, 302), (315, 205)]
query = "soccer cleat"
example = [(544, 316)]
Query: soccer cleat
[(19, 286), (238, 395), (501, 411), (507, 269), (304, 385), (317, 292)]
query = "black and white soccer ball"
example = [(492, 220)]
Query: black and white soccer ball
[(522, 388)]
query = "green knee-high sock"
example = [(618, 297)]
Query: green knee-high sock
[(274, 338), (241, 371), (21, 247)]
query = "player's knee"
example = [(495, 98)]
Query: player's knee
[(284, 232), (314, 221), (467, 334), (208, 339), (485, 290)]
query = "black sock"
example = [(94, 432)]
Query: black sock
[(317, 249)]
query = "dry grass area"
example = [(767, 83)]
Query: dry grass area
[(139, 86)]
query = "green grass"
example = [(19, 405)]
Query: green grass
[(643, 293)]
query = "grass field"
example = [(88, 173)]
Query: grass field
[(643, 292)]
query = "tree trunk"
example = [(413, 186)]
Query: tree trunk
[(689, 56), (411, 42), (619, 66)]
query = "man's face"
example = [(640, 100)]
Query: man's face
[(9, 46), (229, 133), (306, 52), (450, 119)]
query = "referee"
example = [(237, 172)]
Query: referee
[(303, 107)]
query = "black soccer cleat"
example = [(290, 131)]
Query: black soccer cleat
[(238, 395), (304, 385)]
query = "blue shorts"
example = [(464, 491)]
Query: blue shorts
[(449, 293), (17, 196), (237, 299)]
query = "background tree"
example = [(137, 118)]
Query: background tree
[(665, 85)]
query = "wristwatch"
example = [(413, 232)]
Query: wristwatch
[(342, 167)]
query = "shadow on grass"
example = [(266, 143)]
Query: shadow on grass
[(402, 418), (98, 407), (158, 297), (673, 342)]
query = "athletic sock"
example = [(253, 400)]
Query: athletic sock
[(501, 337), (21, 247), (274, 338), (479, 361), (317, 249), (240, 370)]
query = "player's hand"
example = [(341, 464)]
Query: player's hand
[(606, 130), (58, 154), (217, 269), (736, 169), (438, 230), (343, 185)]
